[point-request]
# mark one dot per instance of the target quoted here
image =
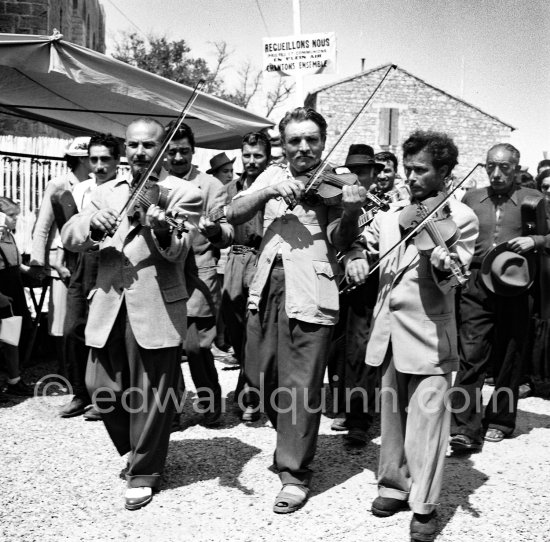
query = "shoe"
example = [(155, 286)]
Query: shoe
[(291, 498), (251, 414), (137, 497), (339, 423), (463, 444), (424, 527), (76, 407), (19, 389), (92, 415), (525, 391), (211, 418), (384, 507), (222, 356), (494, 435), (356, 437)]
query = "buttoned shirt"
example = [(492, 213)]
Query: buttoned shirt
[(301, 237), (249, 233), (500, 217)]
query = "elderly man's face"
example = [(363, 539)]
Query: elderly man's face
[(142, 143), (502, 166), (303, 145)]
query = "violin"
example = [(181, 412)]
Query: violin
[(139, 198), (435, 209), (439, 230), (325, 187), (155, 194)]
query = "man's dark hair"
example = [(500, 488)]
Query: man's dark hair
[(386, 156), (508, 147), (442, 148), (73, 161), (525, 179), (543, 163), (301, 114), (540, 177), (105, 140), (183, 132), (257, 138)]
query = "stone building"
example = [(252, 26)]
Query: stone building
[(404, 103), (80, 21)]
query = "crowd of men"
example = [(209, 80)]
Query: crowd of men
[(136, 289)]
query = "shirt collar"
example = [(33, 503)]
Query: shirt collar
[(490, 194)]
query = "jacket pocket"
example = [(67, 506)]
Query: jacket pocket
[(174, 293), (325, 287), (440, 335)]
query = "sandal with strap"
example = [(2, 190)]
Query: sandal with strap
[(287, 502), (494, 435)]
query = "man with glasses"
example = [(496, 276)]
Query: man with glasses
[(493, 327)]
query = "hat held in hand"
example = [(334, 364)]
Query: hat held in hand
[(507, 273)]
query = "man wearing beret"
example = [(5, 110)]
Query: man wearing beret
[(494, 308)]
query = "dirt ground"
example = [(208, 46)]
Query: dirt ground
[(60, 483)]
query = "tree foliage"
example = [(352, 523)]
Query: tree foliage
[(173, 60)]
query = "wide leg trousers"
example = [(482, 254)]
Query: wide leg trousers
[(133, 389), (285, 365), (415, 425)]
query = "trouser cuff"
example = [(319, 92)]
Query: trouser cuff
[(295, 479), (422, 507), (143, 480), (391, 493)]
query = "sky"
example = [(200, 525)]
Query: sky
[(497, 51)]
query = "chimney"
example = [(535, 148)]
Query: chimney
[(362, 64)]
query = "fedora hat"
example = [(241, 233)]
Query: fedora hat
[(216, 162), (362, 155), (507, 273)]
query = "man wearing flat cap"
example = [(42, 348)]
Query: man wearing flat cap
[(494, 308), (221, 167)]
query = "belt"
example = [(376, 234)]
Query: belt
[(242, 249)]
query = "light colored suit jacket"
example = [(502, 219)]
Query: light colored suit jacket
[(134, 268), (45, 228), (203, 284), (415, 308)]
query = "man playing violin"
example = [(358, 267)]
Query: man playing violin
[(137, 317), (202, 274), (293, 298), (413, 337)]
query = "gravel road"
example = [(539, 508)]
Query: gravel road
[(60, 483)]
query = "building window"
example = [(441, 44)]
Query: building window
[(389, 127)]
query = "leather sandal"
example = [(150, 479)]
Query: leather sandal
[(494, 435), (286, 502)]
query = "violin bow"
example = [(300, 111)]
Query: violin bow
[(160, 153), (321, 167), (417, 228)]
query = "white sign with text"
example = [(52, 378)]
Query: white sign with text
[(305, 54)]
